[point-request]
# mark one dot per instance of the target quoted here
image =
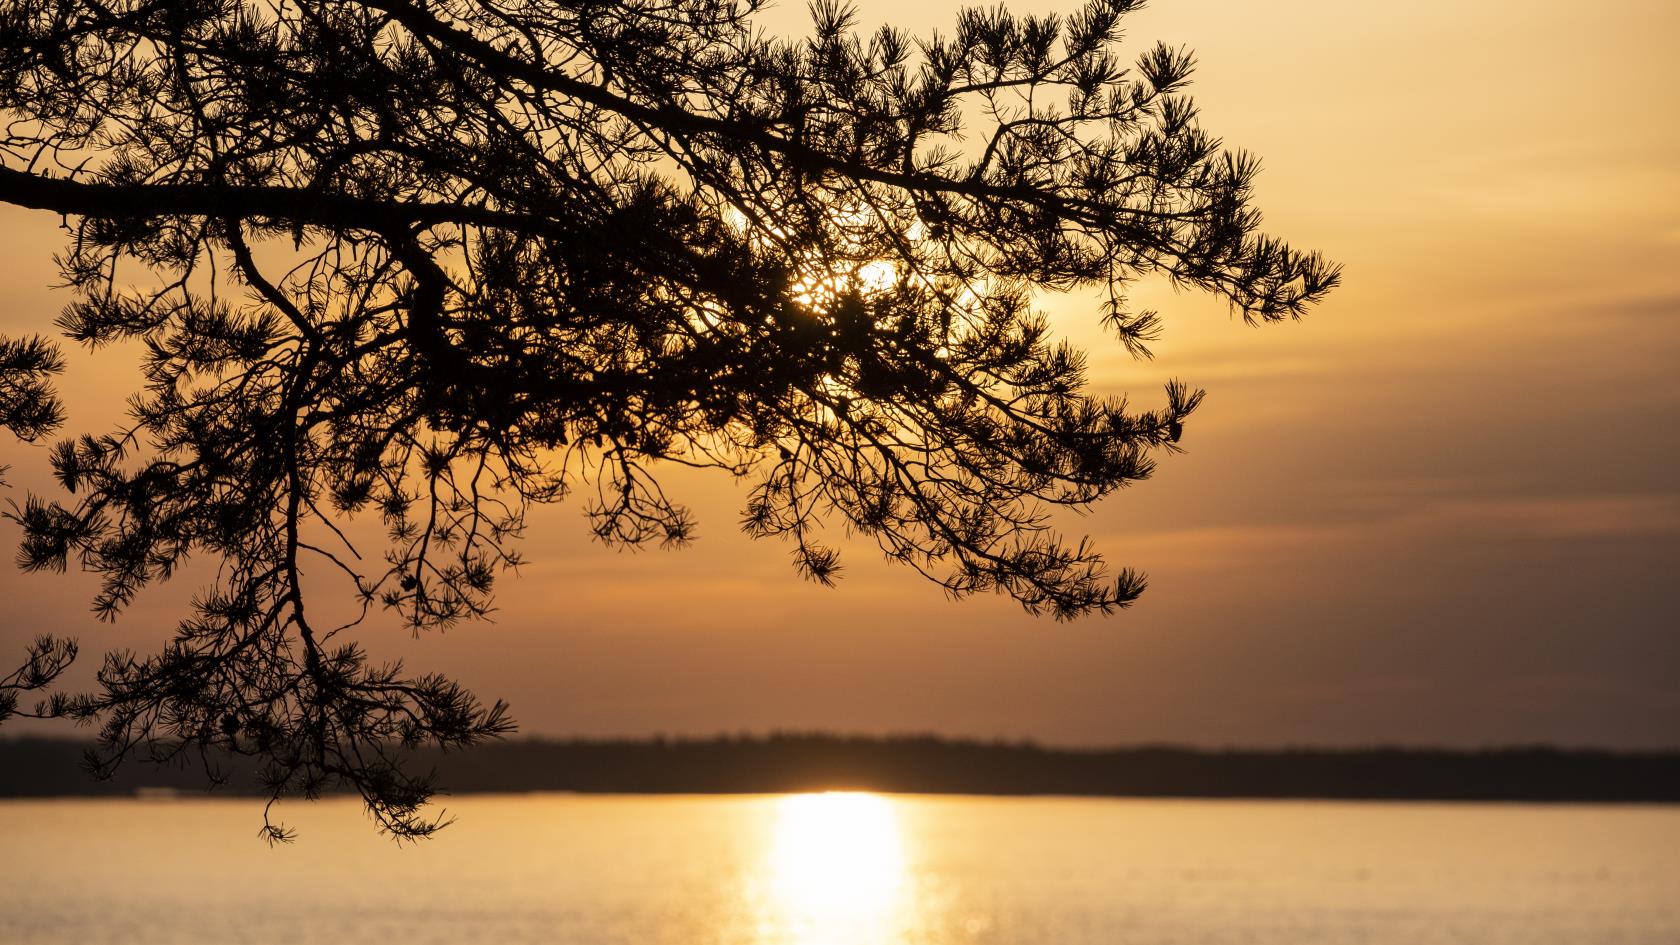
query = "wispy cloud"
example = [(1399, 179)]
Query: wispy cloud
[(1416, 520)]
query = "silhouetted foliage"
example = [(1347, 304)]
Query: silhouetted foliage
[(439, 261), (46, 659), (29, 407), (29, 410)]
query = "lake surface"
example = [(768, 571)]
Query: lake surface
[(845, 869)]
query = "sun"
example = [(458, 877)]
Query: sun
[(837, 861)]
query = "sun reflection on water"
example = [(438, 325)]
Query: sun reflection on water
[(837, 868)]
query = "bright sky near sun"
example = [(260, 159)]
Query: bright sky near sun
[(1442, 509)]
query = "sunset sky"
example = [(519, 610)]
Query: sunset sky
[(1443, 509)]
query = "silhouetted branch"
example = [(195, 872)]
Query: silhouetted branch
[(483, 254), (46, 659)]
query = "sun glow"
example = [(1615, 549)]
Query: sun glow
[(837, 866), (870, 278)]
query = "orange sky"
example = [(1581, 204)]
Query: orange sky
[(1442, 509)]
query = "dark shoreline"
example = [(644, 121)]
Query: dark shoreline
[(38, 767)]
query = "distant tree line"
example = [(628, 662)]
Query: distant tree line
[(926, 764)]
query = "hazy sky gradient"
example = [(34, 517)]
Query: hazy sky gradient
[(1442, 509)]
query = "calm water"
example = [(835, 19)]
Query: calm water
[(829, 869)]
